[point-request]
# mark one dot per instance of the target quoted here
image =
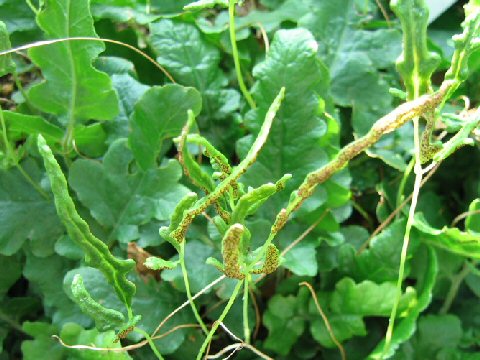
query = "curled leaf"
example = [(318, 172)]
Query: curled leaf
[(105, 319), (156, 263), (231, 251), (96, 252), (272, 260)]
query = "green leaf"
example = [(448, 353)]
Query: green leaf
[(105, 319), (17, 16), (406, 327), (205, 4), (353, 56), (10, 272), (45, 276), (196, 254), (154, 301), (381, 260), (292, 146), (285, 323), (121, 199), (129, 91), (301, 260), (122, 11), (21, 124), (156, 263), (254, 198), (96, 252), (160, 114), (438, 336), (194, 61), (6, 63), (21, 207), (72, 89), (472, 222), (451, 239), (74, 334), (42, 342), (465, 43), (351, 302), (416, 64), (461, 138)]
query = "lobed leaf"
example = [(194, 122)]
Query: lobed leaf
[(122, 200), (160, 114), (451, 239), (293, 143), (194, 61), (20, 208), (406, 327), (73, 89), (417, 63)]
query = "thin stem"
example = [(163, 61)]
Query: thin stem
[(220, 319), (463, 216), (406, 240), (31, 6), (236, 57), (403, 182), (363, 213), (455, 285), (388, 123), (325, 320), (13, 324), (31, 181), (187, 288), (186, 303), (390, 217), (148, 7), (150, 342), (88, 38), (20, 88), (246, 327)]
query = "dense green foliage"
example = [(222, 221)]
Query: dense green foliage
[(250, 151)]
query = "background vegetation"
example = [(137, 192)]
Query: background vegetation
[(110, 116)]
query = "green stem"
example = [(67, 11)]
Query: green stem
[(406, 239), (148, 7), (220, 319), (150, 342), (31, 181), (362, 212), (187, 288), (20, 88), (30, 4), (13, 324), (453, 291), (403, 182), (236, 57), (246, 327)]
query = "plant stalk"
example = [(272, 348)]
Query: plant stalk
[(246, 327), (187, 288), (220, 319), (406, 240), (236, 57), (150, 342)]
